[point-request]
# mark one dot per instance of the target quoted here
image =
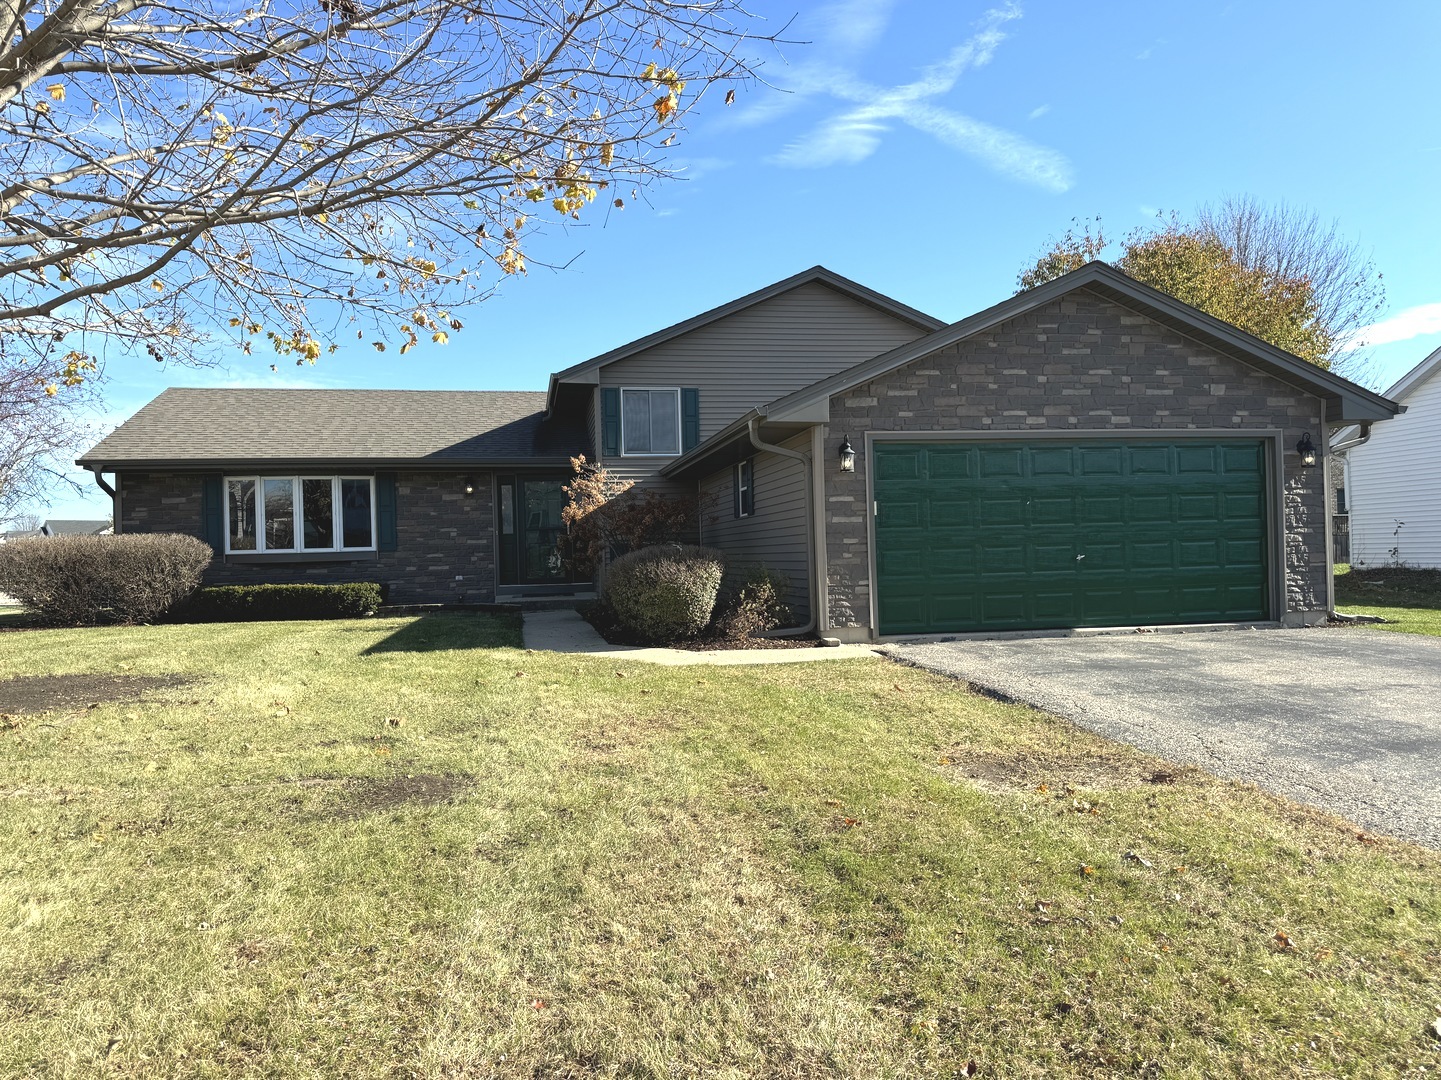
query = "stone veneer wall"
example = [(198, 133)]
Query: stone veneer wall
[(1081, 363), (441, 533)]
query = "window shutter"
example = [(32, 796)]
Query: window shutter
[(610, 421), (689, 419), (736, 487), (750, 468), (385, 511), (212, 511)]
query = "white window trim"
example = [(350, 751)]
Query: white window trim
[(743, 489), (337, 524), (679, 420)]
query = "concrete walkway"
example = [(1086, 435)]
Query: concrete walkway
[(567, 632)]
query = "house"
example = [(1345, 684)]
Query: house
[(74, 527), (1090, 452), (19, 534), (1392, 476)]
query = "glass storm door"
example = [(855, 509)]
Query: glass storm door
[(531, 531)]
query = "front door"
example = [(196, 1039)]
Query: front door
[(531, 530)]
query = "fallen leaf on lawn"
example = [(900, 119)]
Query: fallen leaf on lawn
[(537, 1004), (520, 674), (945, 761), (897, 686), (971, 1068), (1043, 788), (1086, 869), (1115, 920), (1282, 940), (620, 674), (1131, 856), (1064, 1007), (1365, 838), (1323, 954), (833, 802), (1043, 905), (850, 822), (393, 721), (1436, 1027), (1178, 869)]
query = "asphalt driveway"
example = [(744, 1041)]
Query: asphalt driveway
[(1348, 720)]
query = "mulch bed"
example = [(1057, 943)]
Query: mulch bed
[(600, 617), (44, 693)]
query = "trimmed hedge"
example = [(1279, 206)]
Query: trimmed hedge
[(94, 580), (665, 593), (242, 603)]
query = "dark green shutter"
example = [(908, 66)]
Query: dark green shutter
[(610, 421), (385, 511), (212, 511), (736, 488), (689, 419)]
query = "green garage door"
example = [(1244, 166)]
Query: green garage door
[(1023, 536)]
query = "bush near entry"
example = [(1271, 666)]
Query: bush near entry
[(665, 593)]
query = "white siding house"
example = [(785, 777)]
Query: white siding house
[(1393, 478)]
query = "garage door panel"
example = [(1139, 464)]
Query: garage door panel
[(1016, 536)]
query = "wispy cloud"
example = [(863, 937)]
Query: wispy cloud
[(1414, 322), (1038, 112), (856, 133)]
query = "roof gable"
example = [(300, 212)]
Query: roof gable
[(1345, 400), (586, 371), (1414, 379)]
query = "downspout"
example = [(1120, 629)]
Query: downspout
[(1341, 450), (811, 577), (114, 499)]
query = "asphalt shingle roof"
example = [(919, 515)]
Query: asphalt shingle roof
[(199, 427)]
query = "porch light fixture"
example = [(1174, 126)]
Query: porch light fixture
[(1307, 449), (470, 485), (848, 456)]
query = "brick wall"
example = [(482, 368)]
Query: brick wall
[(1082, 363), (441, 533)]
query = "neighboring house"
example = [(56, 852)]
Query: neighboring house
[(1087, 453), (19, 534), (74, 527), (1393, 476)]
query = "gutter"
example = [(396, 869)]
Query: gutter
[(811, 575), (100, 481)]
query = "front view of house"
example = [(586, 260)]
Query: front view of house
[(1087, 453)]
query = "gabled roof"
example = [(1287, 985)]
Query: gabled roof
[(196, 428), (1344, 399), (75, 526), (583, 372), (1402, 389)]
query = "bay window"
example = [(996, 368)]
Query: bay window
[(299, 513)]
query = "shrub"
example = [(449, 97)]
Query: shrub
[(665, 593), (91, 580), (755, 607), (607, 516), (241, 603)]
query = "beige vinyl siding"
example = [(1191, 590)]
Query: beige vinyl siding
[(775, 535), (1396, 476), (755, 356)]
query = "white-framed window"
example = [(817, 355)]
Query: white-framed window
[(299, 513), (745, 491), (650, 422)]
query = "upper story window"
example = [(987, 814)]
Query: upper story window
[(650, 422), (299, 513)]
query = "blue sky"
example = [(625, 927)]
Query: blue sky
[(929, 148)]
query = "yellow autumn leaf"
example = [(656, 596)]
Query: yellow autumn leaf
[(158, 285), (56, 91), (649, 72), (234, 322), (322, 217), (440, 337), (607, 153), (42, 107)]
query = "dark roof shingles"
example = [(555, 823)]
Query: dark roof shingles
[(196, 426)]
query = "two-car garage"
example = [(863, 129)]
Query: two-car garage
[(1026, 534)]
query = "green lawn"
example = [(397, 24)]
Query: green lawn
[(1409, 600), (402, 847)]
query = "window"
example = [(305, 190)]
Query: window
[(299, 513), (745, 492), (650, 422)]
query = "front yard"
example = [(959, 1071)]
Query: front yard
[(409, 847)]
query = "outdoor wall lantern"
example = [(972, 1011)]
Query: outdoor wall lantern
[(470, 485), (848, 456), (1307, 449)]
